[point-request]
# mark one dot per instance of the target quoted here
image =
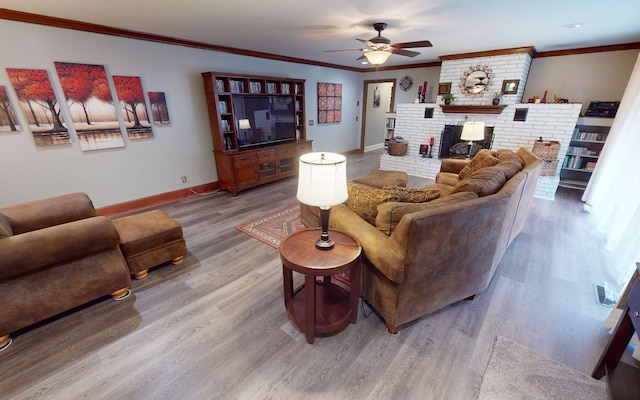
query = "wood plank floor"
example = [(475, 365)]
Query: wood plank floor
[(215, 326)]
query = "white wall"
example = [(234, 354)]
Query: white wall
[(143, 167), (376, 116), (581, 78), (419, 76)]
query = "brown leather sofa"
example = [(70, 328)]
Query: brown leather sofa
[(55, 254), (420, 258)]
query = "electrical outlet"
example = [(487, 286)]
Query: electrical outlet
[(184, 179)]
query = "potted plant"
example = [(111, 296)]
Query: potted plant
[(448, 98), (496, 98)]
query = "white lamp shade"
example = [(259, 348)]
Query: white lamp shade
[(377, 57), (472, 131), (322, 179), (244, 124)]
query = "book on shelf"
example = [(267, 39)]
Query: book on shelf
[(286, 88), (271, 87), (298, 88), (254, 87), (590, 165), (222, 105), (225, 125), (589, 136), (236, 86), (220, 86)]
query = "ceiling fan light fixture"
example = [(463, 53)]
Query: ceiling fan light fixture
[(377, 57)]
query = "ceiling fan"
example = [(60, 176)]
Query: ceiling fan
[(379, 48)]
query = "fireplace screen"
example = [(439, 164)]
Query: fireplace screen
[(452, 147)]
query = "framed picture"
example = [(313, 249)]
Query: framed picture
[(444, 87), (510, 86)]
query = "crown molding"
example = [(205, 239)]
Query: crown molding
[(489, 53), (587, 50)]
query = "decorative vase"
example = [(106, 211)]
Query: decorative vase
[(447, 101), (544, 97), (495, 101)]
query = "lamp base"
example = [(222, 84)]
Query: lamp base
[(324, 244)]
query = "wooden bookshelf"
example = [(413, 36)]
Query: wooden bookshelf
[(241, 165)]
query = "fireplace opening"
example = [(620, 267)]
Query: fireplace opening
[(452, 147)]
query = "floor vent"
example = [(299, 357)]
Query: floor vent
[(605, 295)]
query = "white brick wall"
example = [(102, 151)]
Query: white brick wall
[(551, 121), (509, 66)]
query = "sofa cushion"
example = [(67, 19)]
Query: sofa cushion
[(390, 214), (447, 178), (364, 200), (484, 181), (508, 155), (378, 178), (5, 227), (510, 168), (484, 158)]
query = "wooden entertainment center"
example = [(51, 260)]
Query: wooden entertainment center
[(255, 146)]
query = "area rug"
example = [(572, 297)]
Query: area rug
[(272, 228), (516, 372)]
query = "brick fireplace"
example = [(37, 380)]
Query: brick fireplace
[(548, 120)]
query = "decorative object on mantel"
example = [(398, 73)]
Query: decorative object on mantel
[(496, 99), (422, 92), (544, 97), (444, 88), (560, 100), (510, 86), (448, 98), (471, 109), (475, 80)]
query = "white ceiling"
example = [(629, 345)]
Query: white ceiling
[(304, 29)]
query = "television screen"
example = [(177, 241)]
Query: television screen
[(263, 119)]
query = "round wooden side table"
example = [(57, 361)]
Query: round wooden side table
[(320, 307)]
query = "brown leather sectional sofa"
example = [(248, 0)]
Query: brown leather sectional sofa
[(423, 257)]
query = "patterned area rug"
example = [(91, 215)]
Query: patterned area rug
[(272, 228)]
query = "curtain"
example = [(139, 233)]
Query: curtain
[(613, 193)]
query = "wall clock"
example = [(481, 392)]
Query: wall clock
[(405, 83)]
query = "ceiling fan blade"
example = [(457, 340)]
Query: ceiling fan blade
[(332, 51), (409, 45), (407, 53), (367, 42), (362, 57)]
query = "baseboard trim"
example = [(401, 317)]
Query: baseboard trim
[(157, 199)]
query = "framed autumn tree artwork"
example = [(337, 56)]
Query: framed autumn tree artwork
[(159, 110), (40, 106), (90, 105), (8, 120), (134, 108)]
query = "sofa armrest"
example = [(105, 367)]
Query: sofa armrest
[(454, 165), (30, 251), (44, 213), (387, 257)]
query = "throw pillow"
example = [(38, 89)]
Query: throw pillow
[(5, 227), (510, 168), (364, 200), (390, 214), (412, 195), (483, 159), (484, 182)]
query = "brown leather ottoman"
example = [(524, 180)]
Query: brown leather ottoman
[(150, 239)]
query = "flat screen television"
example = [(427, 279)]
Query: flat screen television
[(263, 119)]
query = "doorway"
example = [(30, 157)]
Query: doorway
[(378, 99)]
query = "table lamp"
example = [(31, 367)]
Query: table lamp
[(322, 182), (472, 131), (244, 125)]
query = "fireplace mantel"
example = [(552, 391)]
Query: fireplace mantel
[(472, 109)]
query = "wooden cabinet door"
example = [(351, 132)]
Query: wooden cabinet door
[(245, 168)]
